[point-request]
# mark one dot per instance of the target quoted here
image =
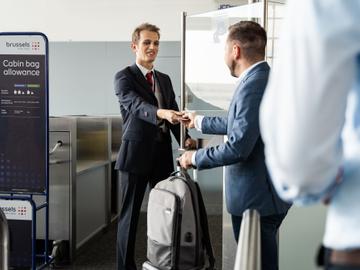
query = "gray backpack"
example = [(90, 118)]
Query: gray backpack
[(177, 227)]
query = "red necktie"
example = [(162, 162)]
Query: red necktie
[(149, 78)]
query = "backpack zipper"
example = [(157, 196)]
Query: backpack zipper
[(175, 246), (196, 216)]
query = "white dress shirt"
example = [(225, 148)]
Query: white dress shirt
[(310, 113), (145, 71)]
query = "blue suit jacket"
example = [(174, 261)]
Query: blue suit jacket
[(138, 106), (247, 182)]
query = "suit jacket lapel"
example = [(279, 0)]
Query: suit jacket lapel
[(240, 86), (141, 79), (162, 87)]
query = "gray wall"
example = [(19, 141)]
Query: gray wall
[(300, 237), (81, 74)]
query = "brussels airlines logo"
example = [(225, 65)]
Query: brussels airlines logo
[(34, 46), (21, 210), (14, 211), (8, 209), (17, 44)]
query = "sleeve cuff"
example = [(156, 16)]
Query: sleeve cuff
[(193, 161), (198, 122)]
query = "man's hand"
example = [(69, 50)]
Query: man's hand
[(188, 119), (171, 116), (185, 159), (190, 144)]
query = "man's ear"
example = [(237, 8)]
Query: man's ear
[(236, 51), (133, 46)]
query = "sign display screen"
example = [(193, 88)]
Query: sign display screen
[(23, 113)]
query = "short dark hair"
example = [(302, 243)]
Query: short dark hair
[(252, 38), (142, 27)]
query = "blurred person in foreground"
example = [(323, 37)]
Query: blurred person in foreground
[(310, 119)]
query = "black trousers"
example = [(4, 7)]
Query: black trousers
[(133, 187), (269, 226)]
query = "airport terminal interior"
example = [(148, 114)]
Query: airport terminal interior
[(72, 204)]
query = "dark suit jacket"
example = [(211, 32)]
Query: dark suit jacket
[(138, 106), (247, 182)]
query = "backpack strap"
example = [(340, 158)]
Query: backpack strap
[(180, 173), (205, 229)]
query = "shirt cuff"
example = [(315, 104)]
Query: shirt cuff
[(193, 161), (198, 121)]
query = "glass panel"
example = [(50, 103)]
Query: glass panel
[(209, 85), (274, 20)]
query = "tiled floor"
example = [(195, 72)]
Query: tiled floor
[(100, 253)]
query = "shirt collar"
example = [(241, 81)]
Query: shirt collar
[(246, 71), (144, 70)]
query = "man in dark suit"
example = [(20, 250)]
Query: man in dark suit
[(149, 111), (247, 183)]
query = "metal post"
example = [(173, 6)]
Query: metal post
[(252, 18), (265, 15), (182, 79), (33, 234), (248, 254), (265, 12), (4, 242)]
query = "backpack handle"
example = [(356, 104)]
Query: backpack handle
[(182, 172)]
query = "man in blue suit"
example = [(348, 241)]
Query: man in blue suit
[(149, 112), (247, 182)]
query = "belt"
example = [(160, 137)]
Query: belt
[(342, 257)]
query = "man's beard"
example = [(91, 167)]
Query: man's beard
[(232, 68)]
